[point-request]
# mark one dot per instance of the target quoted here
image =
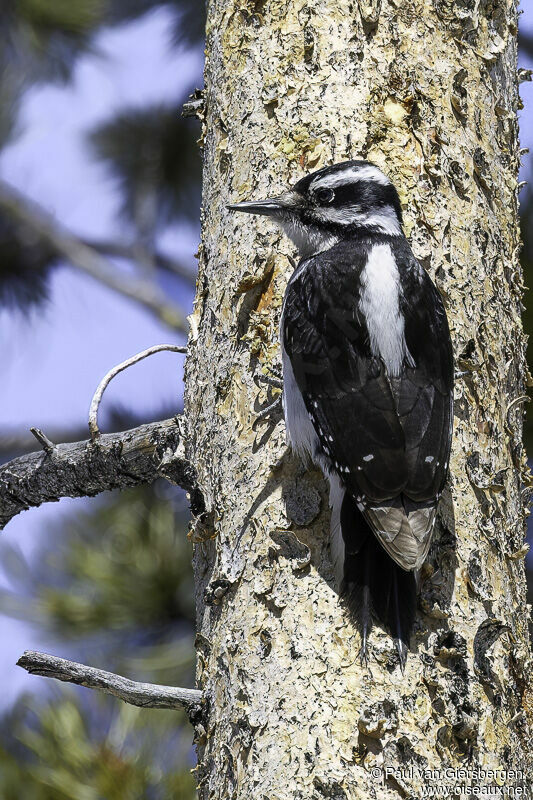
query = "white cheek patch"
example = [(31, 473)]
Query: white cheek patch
[(344, 215), (385, 219)]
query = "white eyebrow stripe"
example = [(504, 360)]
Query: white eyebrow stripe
[(385, 219), (366, 173)]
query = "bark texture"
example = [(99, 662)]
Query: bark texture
[(427, 90)]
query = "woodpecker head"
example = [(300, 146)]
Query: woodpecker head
[(350, 199)]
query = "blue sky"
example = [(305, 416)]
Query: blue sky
[(53, 361)]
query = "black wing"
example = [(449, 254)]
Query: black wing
[(387, 438)]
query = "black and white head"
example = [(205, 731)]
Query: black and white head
[(354, 198)]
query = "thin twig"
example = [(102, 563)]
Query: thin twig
[(144, 695), (14, 442), (195, 106), (106, 380), (81, 469), (85, 258), (43, 440)]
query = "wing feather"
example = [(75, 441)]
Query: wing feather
[(388, 438)]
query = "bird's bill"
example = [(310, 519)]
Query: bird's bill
[(271, 207)]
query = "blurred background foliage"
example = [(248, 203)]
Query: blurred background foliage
[(112, 585)]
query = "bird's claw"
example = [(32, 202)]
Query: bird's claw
[(265, 412), (274, 381)]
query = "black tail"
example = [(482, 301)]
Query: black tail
[(373, 582)]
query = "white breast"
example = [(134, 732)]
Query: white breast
[(380, 304)]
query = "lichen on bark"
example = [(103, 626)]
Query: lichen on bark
[(428, 91)]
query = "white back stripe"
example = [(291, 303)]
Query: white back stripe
[(380, 304)]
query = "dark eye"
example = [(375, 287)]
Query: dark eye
[(324, 196)]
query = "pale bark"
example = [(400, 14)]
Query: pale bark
[(429, 91)]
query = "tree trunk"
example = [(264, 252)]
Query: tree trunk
[(428, 91)]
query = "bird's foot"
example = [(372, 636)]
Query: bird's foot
[(271, 380), (266, 412), (274, 378)]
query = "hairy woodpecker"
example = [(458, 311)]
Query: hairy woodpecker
[(368, 382)]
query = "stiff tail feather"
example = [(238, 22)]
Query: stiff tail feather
[(374, 583)]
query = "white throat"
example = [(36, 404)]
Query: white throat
[(309, 239), (312, 239)]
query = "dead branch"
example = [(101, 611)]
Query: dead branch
[(84, 469), (16, 443), (144, 695)]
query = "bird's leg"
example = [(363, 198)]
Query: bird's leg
[(274, 377), (276, 381)]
